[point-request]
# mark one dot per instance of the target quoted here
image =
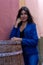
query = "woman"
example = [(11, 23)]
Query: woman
[(25, 31)]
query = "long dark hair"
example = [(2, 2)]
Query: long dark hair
[(29, 20)]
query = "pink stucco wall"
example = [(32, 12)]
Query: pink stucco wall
[(8, 12), (40, 16), (36, 9)]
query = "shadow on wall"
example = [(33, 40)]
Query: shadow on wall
[(41, 51)]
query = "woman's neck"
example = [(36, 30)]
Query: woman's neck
[(23, 26), (23, 23)]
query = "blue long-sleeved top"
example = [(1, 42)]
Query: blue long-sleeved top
[(30, 39)]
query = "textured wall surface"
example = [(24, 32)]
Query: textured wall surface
[(8, 12)]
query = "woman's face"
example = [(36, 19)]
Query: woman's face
[(23, 16)]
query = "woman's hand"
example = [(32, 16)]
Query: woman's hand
[(16, 39), (17, 22)]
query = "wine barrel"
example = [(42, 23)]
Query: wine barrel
[(11, 53)]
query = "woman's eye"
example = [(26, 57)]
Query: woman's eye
[(23, 13)]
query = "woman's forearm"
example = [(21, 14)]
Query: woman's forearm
[(16, 39)]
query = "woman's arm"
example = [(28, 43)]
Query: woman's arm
[(13, 33), (14, 30)]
